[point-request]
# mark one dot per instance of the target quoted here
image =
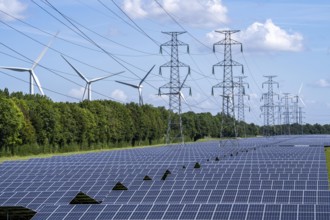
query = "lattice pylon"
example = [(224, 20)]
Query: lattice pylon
[(227, 83), (286, 113), (174, 131), (268, 109), (240, 106)]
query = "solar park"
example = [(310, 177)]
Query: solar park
[(282, 177)]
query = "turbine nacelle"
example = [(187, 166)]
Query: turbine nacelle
[(89, 82), (138, 86), (33, 76)]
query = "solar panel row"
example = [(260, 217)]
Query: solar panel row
[(250, 180), (187, 211)]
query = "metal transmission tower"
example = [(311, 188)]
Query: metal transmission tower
[(300, 113), (268, 109), (227, 83), (240, 98), (240, 101), (286, 112), (279, 107), (295, 110), (174, 86), (301, 120)]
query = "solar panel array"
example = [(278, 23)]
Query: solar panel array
[(258, 178)]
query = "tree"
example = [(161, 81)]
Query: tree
[(67, 124), (86, 126), (139, 126), (155, 123), (45, 120), (190, 130), (27, 133), (11, 123)]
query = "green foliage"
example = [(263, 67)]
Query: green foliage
[(11, 124), (34, 124)]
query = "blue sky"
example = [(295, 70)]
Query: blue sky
[(289, 39)]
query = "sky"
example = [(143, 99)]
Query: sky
[(289, 39)]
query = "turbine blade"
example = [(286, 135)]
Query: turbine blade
[(302, 101), (146, 75), (37, 81), (43, 52), (181, 94), (300, 88), (18, 69), (127, 84), (104, 77), (79, 73)]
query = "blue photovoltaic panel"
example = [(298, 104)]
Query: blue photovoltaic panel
[(261, 178)]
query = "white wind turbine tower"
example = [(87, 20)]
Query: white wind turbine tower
[(89, 82), (183, 86), (33, 76), (300, 96), (298, 110), (139, 86)]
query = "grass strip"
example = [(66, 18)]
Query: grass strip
[(14, 158), (327, 158)]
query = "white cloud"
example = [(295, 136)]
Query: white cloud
[(323, 83), (196, 13), (119, 95), (12, 7), (77, 93), (269, 36), (265, 37), (134, 8)]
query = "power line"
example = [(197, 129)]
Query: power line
[(51, 48), (174, 86), (50, 90), (140, 30), (268, 108), (171, 16), (54, 72), (86, 37)]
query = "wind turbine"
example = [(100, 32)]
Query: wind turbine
[(183, 86), (33, 76), (89, 82), (139, 86), (179, 92), (299, 96)]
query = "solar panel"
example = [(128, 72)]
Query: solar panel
[(275, 181)]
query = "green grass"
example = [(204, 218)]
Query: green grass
[(327, 158), (208, 139), (13, 158)]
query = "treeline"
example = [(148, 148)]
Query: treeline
[(297, 129), (34, 124)]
